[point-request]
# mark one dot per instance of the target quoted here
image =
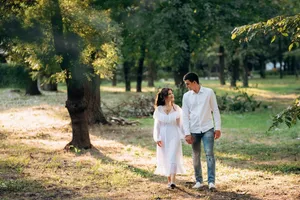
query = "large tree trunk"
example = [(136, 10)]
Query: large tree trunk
[(234, 72), (114, 79), (77, 107), (140, 70), (2, 58), (75, 103), (126, 68), (47, 86), (32, 87), (183, 67), (294, 66), (262, 66), (245, 72), (151, 73), (222, 65), (93, 99)]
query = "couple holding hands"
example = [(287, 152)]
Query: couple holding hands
[(198, 119)]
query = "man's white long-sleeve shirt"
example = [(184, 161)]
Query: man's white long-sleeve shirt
[(200, 111)]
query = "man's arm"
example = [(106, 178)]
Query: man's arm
[(185, 116), (216, 115), (185, 120)]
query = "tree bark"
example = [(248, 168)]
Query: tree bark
[(234, 72), (151, 73), (140, 70), (93, 98), (114, 80), (246, 72), (32, 87), (222, 65), (76, 104), (77, 107), (126, 69), (294, 64), (183, 67), (262, 66), (47, 86)]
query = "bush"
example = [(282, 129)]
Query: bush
[(140, 106), (239, 103), (13, 75)]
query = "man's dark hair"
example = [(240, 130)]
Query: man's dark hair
[(191, 77)]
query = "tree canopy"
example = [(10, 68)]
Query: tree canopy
[(287, 26)]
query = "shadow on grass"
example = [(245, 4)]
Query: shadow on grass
[(274, 159), (205, 193), (19, 187), (185, 190), (141, 172), (248, 156), (14, 184)]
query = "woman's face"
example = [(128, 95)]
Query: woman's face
[(170, 96)]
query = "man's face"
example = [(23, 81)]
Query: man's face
[(190, 85)]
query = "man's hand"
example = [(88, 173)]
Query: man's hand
[(189, 139), (217, 134), (159, 143)]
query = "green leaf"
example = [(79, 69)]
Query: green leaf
[(285, 34), (269, 22), (291, 46), (233, 36), (273, 38)]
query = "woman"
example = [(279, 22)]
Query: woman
[(167, 134)]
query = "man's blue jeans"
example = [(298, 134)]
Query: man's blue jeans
[(208, 142)]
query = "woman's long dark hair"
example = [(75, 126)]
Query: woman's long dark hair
[(160, 97)]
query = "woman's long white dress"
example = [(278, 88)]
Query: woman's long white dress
[(167, 128)]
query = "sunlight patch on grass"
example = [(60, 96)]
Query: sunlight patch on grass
[(46, 144), (16, 163), (39, 117), (13, 100), (134, 155)]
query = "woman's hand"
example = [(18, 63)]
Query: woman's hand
[(159, 143), (189, 139)]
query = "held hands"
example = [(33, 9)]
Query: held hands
[(159, 143), (217, 134), (189, 139)]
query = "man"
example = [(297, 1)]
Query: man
[(201, 121)]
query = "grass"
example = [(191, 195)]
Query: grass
[(251, 162)]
